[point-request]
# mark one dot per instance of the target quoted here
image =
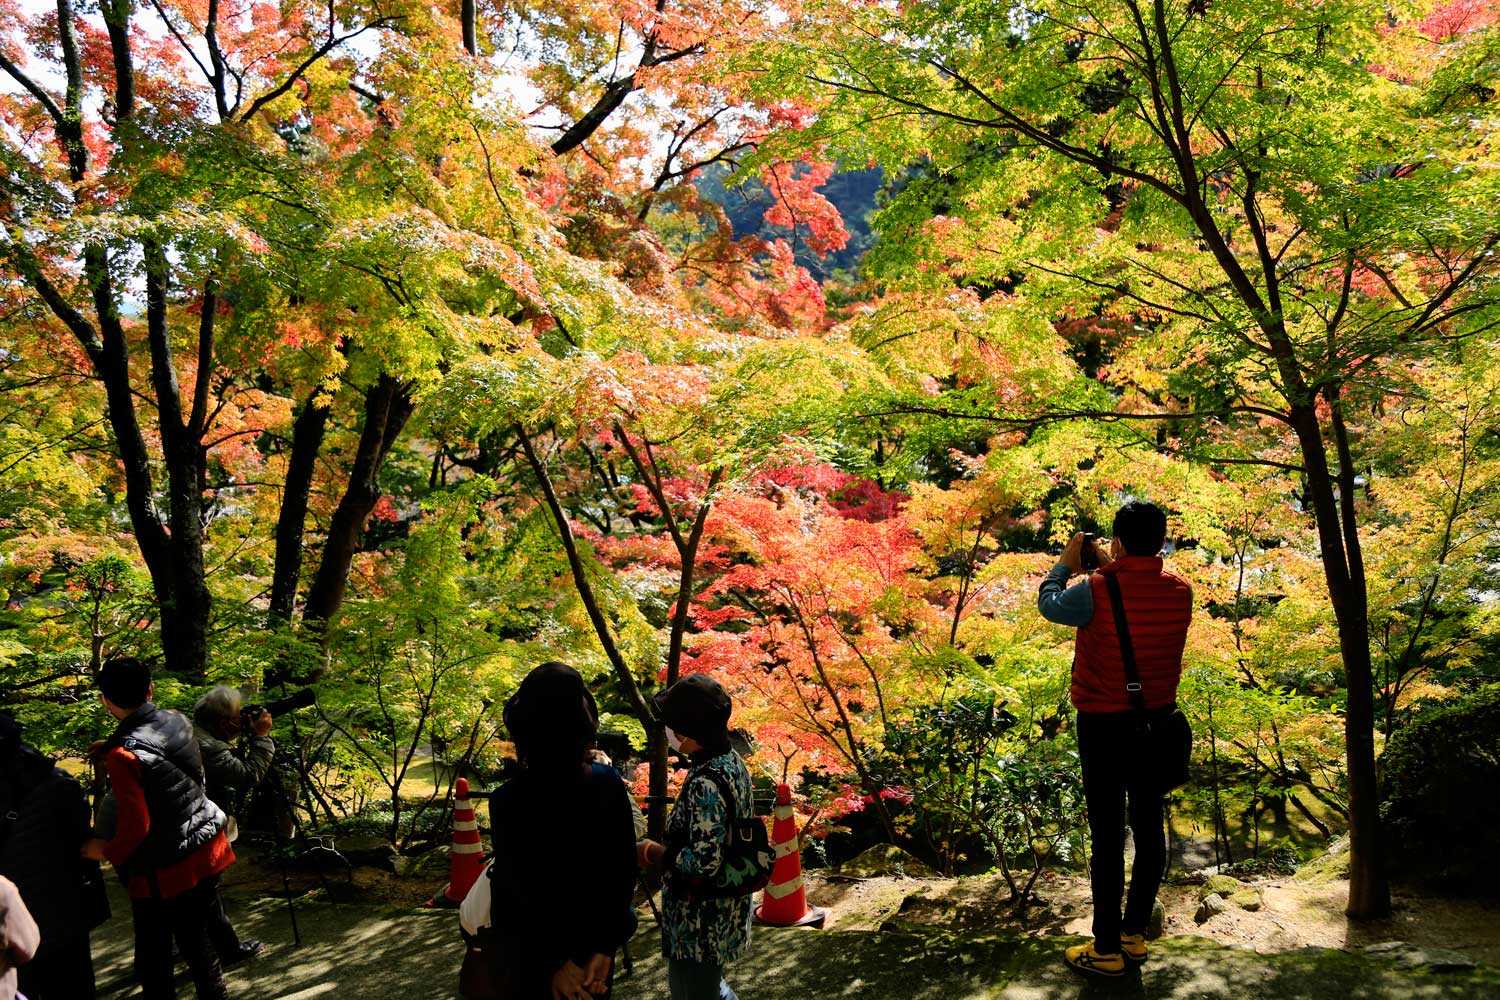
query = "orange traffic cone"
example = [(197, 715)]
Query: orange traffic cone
[(466, 857), (784, 903)]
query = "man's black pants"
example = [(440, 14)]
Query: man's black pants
[(1114, 773), (186, 918), (220, 931)]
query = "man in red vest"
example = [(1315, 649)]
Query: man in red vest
[(1158, 607), (168, 845)]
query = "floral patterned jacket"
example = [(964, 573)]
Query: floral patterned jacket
[(705, 930)]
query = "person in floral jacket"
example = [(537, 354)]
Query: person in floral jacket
[(700, 936)]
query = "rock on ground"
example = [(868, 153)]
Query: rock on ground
[(885, 860), (1220, 885), (1213, 904), (1248, 898)]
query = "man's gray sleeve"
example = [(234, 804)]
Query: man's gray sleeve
[(1073, 606)]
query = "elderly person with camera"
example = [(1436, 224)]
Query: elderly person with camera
[(234, 763)]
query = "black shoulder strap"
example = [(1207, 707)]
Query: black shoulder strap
[(725, 792), (1127, 649)]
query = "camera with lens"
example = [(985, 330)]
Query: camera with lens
[(295, 700)]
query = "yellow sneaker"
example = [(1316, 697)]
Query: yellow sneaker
[(1083, 958), (1134, 946)]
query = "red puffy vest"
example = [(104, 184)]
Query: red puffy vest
[(1158, 607)]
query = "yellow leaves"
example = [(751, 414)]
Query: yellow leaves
[(1002, 341), (658, 399), (169, 164), (948, 519)]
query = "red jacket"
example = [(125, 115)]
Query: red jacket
[(1158, 607)]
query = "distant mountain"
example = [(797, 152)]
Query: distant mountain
[(852, 192)]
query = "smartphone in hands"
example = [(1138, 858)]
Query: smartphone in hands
[(1089, 557)]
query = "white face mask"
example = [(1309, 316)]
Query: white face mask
[(673, 740)]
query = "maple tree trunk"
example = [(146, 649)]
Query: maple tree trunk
[(307, 439), (1338, 537), (469, 15), (656, 739), (656, 743), (116, 14), (387, 407), (1369, 889), (186, 612), (172, 552), (658, 772), (1337, 526), (112, 367), (687, 552)]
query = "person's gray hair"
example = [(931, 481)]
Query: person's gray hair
[(220, 702)]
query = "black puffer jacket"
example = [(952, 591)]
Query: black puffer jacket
[(43, 822), (182, 817)]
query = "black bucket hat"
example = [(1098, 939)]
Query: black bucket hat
[(697, 707)]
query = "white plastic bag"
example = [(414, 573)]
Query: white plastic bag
[(474, 911)]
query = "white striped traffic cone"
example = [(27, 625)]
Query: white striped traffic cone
[(466, 856), (784, 903)]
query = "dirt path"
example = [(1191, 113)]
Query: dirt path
[(1295, 914), (941, 941)]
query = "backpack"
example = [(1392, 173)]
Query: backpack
[(748, 856)]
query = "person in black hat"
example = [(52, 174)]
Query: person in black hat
[(564, 848), (700, 936)]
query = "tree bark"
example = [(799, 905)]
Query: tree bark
[(1369, 889), (616, 91), (307, 439), (117, 25), (387, 406), (469, 15), (186, 612)]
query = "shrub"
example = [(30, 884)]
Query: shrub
[(1440, 808), (985, 785)]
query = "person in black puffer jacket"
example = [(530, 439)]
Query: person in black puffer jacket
[(564, 846), (44, 820)]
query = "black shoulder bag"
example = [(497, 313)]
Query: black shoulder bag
[(1166, 736), (748, 856)]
